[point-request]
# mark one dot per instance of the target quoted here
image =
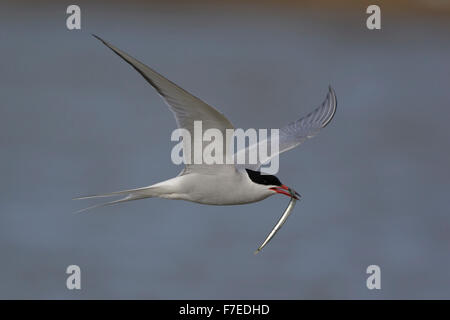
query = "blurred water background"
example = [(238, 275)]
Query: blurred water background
[(77, 120)]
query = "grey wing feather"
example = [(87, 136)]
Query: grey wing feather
[(185, 107), (298, 131), (295, 133)]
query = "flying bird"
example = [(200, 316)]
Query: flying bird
[(218, 184)]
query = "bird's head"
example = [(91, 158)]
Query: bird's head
[(272, 183)]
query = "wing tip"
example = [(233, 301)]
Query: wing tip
[(103, 41), (97, 37), (331, 98)]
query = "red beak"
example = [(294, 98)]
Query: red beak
[(286, 191)]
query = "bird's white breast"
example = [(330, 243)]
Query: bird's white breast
[(214, 189)]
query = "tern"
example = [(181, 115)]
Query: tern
[(218, 184)]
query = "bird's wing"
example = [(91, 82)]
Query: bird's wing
[(185, 107), (296, 132)]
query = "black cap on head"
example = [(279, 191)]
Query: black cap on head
[(265, 179)]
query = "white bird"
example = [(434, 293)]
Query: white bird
[(218, 184)]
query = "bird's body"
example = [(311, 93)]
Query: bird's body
[(219, 184), (220, 189)]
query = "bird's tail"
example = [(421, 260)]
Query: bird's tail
[(131, 194)]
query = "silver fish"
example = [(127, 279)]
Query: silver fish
[(282, 220)]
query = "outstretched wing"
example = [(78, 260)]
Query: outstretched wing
[(185, 107), (293, 134)]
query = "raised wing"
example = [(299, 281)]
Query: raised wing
[(293, 134), (185, 107)]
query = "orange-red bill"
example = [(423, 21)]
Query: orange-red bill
[(283, 189)]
